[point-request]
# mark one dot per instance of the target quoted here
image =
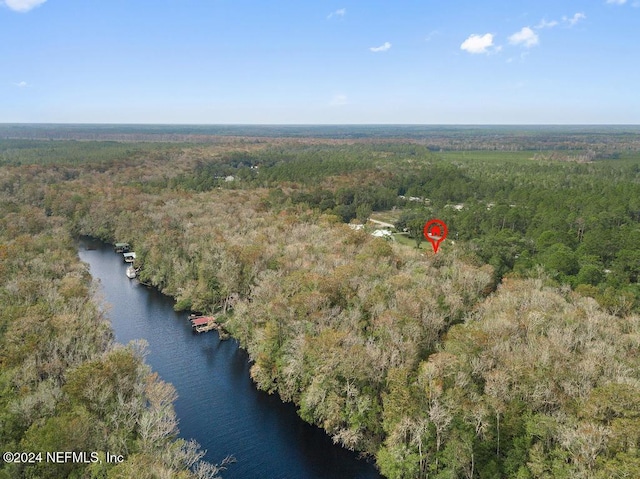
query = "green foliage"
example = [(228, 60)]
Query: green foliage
[(398, 463), (73, 431), (560, 259)]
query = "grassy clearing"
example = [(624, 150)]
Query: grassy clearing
[(488, 155), (386, 216)]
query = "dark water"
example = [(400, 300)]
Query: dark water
[(218, 405)]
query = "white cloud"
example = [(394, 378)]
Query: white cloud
[(521, 58), (617, 2), (575, 19), (545, 24), (569, 21), (526, 37), (338, 100), (382, 48), (431, 35), (341, 12), (22, 84), (22, 5), (478, 43)]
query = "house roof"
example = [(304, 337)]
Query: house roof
[(202, 320), (381, 233)]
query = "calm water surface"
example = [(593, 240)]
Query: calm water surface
[(218, 405)]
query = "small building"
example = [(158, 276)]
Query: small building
[(458, 207), (381, 234)]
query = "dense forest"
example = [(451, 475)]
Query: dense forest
[(512, 352)]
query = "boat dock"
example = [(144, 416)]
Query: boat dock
[(122, 247), (129, 257), (201, 324)]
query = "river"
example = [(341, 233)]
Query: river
[(217, 403)]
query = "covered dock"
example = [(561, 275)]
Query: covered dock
[(122, 247), (129, 257), (202, 324)]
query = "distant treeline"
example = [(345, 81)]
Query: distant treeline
[(74, 152), (436, 137)]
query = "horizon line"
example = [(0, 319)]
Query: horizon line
[(307, 124)]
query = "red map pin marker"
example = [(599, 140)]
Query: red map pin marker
[(435, 231)]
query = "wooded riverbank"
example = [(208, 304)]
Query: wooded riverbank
[(217, 405), (65, 385)]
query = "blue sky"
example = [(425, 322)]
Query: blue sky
[(277, 62)]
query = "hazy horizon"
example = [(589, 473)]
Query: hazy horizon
[(331, 124)]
